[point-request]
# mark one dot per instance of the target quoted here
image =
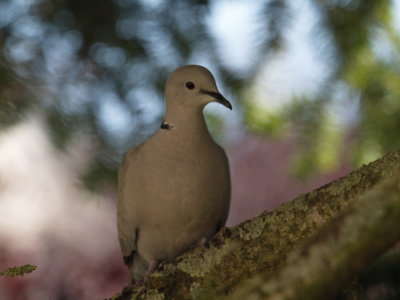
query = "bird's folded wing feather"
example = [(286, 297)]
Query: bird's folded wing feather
[(126, 230)]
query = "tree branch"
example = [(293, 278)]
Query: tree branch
[(260, 245), (323, 267)]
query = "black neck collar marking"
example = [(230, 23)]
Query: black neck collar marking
[(165, 125)]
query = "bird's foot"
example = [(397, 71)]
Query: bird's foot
[(201, 242), (137, 283), (152, 267)]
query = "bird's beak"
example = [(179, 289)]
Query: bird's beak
[(220, 99)]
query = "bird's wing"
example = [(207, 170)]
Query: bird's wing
[(225, 184), (127, 229)]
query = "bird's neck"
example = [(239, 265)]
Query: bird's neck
[(184, 119)]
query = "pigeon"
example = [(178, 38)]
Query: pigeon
[(174, 189)]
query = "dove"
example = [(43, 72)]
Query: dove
[(174, 189)]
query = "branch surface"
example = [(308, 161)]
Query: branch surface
[(324, 266)]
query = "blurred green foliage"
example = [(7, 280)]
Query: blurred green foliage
[(81, 63), (364, 47)]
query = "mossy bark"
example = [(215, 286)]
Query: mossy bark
[(259, 247), (328, 262)]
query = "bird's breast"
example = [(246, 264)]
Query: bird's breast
[(181, 187), (177, 192)]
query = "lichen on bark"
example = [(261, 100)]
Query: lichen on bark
[(18, 271), (327, 263)]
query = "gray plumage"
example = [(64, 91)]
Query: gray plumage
[(174, 189)]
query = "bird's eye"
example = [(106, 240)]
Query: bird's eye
[(190, 85)]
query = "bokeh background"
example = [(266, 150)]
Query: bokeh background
[(315, 86)]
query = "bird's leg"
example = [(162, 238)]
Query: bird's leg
[(135, 284), (152, 266), (201, 242)]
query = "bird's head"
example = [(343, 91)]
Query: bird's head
[(193, 86)]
